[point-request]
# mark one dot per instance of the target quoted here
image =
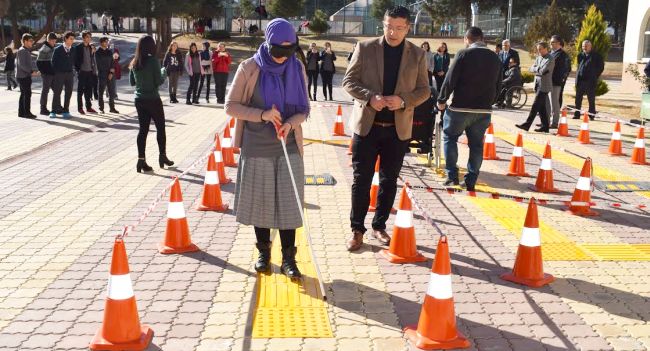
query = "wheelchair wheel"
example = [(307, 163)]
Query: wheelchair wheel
[(519, 97)]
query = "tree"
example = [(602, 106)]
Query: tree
[(246, 8), (593, 29), (318, 23), (447, 9), (379, 7), (286, 8), (550, 22)]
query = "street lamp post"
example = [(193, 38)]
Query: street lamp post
[(509, 27)]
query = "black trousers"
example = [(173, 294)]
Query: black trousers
[(192, 89), (105, 84), (62, 80), (48, 83), (312, 78), (149, 109), (84, 88), (439, 81), (588, 88), (539, 106), (430, 77), (220, 82), (287, 236), (327, 77), (25, 99), (382, 141), (206, 78)]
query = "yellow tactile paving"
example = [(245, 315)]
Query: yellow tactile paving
[(601, 172), (291, 309), (74, 219)]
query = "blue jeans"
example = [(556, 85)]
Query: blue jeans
[(474, 125)]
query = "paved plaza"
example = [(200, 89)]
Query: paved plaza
[(70, 186)]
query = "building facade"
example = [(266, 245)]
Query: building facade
[(637, 42)]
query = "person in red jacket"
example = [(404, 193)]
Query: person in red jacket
[(221, 61)]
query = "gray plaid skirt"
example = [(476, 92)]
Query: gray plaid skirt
[(264, 195)]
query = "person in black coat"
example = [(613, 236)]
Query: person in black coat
[(327, 69), (105, 74), (506, 54), (590, 67), (512, 79), (84, 64), (10, 68), (313, 57), (62, 63), (561, 72)]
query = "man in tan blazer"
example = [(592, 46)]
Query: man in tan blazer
[(387, 77)]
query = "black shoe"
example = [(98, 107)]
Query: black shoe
[(188, 102), (101, 110), (45, 112), (468, 187), (29, 115), (450, 182), (195, 101), (542, 130), (207, 101), (592, 118), (163, 160), (289, 266), (522, 126), (538, 125), (113, 110), (553, 126), (142, 166), (264, 259)]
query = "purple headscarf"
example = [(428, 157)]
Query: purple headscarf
[(282, 85)]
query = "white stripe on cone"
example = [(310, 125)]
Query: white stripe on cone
[(489, 138), (375, 179), (226, 142), (439, 286), (232, 131), (211, 178), (175, 210), (584, 183), (584, 126), (546, 165), (616, 136), (404, 219), (119, 287), (517, 151), (563, 120), (338, 119), (639, 144), (530, 237), (217, 156)]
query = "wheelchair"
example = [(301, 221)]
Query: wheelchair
[(513, 97), (426, 133)]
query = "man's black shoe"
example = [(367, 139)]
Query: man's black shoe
[(450, 182), (468, 187), (542, 130), (522, 126)]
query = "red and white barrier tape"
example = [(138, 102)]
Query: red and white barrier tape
[(423, 213), (131, 227), (600, 115)]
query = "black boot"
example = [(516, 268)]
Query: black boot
[(163, 160), (289, 266), (264, 260), (143, 166)]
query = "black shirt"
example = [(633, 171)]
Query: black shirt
[(392, 60)]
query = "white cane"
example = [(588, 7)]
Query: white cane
[(302, 216)]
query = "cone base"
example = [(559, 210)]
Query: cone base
[(99, 343), (582, 212), (222, 208), (563, 135), (638, 163), (615, 153), (225, 181), (546, 191), (422, 342), (373, 209), (349, 153), (392, 258), (236, 151), (492, 158), (584, 142), (534, 283), (339, 134), (233, 165), (510, 174), (168, 250)]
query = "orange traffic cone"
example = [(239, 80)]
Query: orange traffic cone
[(211, 200), (402, 245), (177, 235), (615, 147), (517, 165), (374, 188), (638, 153), (489, 148), (339, 129), (121, 328), (528, 269), (563, 127), (544, 183), (582, 193), (583, 136), (218, 157), (232, 132), (436, 328), (227, 149)]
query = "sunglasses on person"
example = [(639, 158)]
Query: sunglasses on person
[(279, 51)]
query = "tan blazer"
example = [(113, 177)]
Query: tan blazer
[(365, 78), (240, 94)]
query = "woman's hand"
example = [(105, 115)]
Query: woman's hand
[(284, 130), (272, 115)]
